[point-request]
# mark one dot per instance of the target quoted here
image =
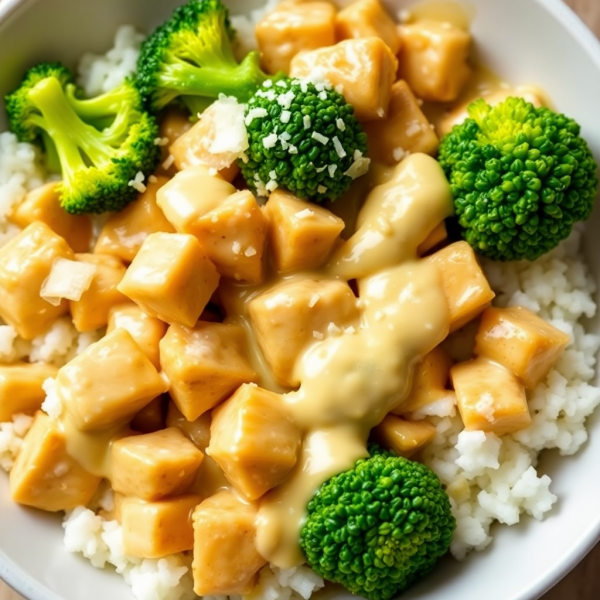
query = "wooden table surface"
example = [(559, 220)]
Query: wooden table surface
[(583, 583)]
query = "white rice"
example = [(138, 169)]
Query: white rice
[(101, 542), (495, 479), (98, 74), (11, 439)]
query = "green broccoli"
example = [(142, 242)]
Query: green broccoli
[(191, 57), (378, 527), (521, 176), (304, 138), (100, 143)]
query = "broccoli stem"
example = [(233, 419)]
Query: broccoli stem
[(105, 105), (73, 139), (241, 80)]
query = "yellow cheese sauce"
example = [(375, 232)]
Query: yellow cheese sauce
[(350, 381)]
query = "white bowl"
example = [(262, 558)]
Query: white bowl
[(524, 41)]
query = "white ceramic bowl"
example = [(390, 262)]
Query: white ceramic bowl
[(524, 41)]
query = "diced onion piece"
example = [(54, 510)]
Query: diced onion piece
[(68, 279)]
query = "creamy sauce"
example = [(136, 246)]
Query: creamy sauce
[(91, 449), (396, 218)]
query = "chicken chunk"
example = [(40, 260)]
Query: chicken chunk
[(405, 131), (204, 365), (289, 316), (292, 28), (124, 232), (21, 388), (190, 195), (225, 556), (159, 528), (43, 204), (108, 383), (154, 465), (171, 278), (490, 397), (146, 331), (301, 234), (362, 69), (465, 285), (521, 341), (367, 18), (91, 311), (44, 475), (434, 59), (429, 382), (233, 236), (404, 437), (254, 439), (25, 263)]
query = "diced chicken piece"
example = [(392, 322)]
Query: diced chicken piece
[(151, 418), (146, 331), (490, 397), (210, 478), (171, 278), (406, 129), (91, 311), (217, 140), (25, 263), (42, 204), (293, 314), (197, 431), (301, 234), (436, 237), (254, 439), (363, 70), (109, 382), (204, 365), (190, 195), (292, 28), (225, 556), (21, 388), (404, 437), (466, 288), (367, 18), (154, 465), (125, 231), (233, 236), (44, 475), (434, 59), (429, 382), (159, 528), (521, 341), (460, 114)]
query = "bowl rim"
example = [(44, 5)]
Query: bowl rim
[(20, 581)]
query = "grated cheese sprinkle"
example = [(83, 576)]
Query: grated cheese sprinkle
[(338, 147), (319, 137)]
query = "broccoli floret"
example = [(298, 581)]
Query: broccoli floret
[(304, 138), (191, 57), (378, 527), (99, 143), (521, 176)]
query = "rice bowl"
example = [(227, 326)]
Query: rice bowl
[(573, 306)]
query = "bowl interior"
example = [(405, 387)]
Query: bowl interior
[(524, 41)]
